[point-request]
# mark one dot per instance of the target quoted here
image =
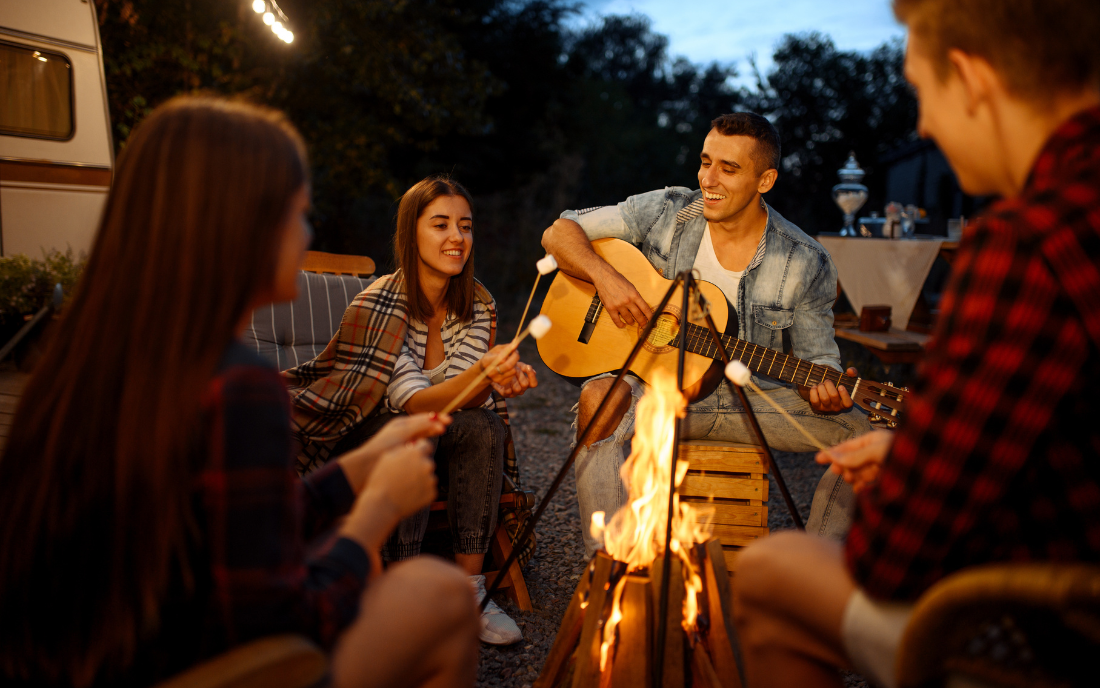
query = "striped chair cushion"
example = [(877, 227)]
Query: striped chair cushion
[(289, 334)]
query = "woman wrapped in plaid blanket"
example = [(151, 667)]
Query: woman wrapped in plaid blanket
[(410, 343)]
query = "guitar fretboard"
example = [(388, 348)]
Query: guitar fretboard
[(761, 359)]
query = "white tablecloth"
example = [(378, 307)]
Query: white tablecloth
[(877, 272)]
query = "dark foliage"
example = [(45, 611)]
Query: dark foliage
[(825, 103), (529, 115)]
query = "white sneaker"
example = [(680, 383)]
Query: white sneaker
[(497, 628)]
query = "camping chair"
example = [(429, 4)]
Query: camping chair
[(1027, 624)]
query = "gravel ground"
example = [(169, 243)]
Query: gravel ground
[(541, 428)]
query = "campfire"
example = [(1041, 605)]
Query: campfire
[(610, 634)]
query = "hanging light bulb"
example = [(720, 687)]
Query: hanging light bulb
[(288, 36), (259, 6), (269, 18), (277, 27)]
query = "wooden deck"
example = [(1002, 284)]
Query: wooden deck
[(11, 386)]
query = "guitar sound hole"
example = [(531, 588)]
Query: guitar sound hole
[(663, 335)]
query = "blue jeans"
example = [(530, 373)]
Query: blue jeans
[(720, 416)]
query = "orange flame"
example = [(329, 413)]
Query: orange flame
[(635, 533)]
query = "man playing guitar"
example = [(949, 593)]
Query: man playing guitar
[(781, 283)]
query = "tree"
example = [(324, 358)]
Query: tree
[(366, 81), (825, 103), (637, 117)]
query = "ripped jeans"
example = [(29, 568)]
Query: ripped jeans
[(720, 417)]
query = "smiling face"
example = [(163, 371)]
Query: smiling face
[(728, 176), (444, 237)]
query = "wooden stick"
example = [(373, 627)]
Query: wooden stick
[(798, 426), (483, 374), (529, 299)]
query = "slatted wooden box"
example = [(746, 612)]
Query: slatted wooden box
[(732, 479)]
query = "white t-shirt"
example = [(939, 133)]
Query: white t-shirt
[(710, 270)]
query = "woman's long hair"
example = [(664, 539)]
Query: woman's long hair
[(460, 291), (96, 481)]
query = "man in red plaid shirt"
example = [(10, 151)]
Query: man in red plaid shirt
[(997, 458)]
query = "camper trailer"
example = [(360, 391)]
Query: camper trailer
[(56, 154)]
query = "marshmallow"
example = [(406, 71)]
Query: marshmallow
[(738, 373), (597, 526), (546, 264), (539, 327)]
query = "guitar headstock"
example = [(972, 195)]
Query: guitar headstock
[(880, 399)]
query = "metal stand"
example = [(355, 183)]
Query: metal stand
[(530, 527), (687, 280)]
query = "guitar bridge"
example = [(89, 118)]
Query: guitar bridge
[(593, 315)]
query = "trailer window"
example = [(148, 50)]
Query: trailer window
[(36, 94)]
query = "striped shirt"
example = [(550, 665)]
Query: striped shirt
[(464, 343)]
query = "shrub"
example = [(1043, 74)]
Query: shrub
[(26, 283)]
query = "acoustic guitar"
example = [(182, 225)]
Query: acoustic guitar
[(584, 340)]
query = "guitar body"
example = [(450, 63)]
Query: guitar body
[(570, 301)]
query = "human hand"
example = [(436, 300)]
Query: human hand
[(500, 368), (858, 460), (826, 397), (524, 380), (403, 482), (403, 479), (621, 300), (359, 462)]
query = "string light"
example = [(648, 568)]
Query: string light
[(274, 17)]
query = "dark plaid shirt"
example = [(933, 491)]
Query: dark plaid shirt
[(998, 458), (272, 568)]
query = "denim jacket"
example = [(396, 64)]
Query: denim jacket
[(789, 285)]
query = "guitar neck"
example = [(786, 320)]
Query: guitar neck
[(761, 359)]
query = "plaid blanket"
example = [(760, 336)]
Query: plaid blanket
[(346, 383)]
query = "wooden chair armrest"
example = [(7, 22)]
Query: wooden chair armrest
[(284, 661), (951, 613), (338, 264)]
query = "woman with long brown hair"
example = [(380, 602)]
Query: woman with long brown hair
[(149, 515), (411, 343)]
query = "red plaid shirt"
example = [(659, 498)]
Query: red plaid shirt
[(273, 568), (998, 458)]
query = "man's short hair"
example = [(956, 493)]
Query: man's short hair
[(1039, 47), (766, 156)]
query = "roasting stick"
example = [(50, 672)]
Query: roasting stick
[(537, 329), (740, 375), (545, 266)]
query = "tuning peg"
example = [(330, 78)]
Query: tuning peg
[(874, 418), (905, 389), (892, 424)]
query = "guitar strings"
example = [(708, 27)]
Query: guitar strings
[(662, 328)]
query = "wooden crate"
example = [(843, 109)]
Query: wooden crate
[(732, 480)]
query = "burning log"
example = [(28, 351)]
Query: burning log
[(594, 649)]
